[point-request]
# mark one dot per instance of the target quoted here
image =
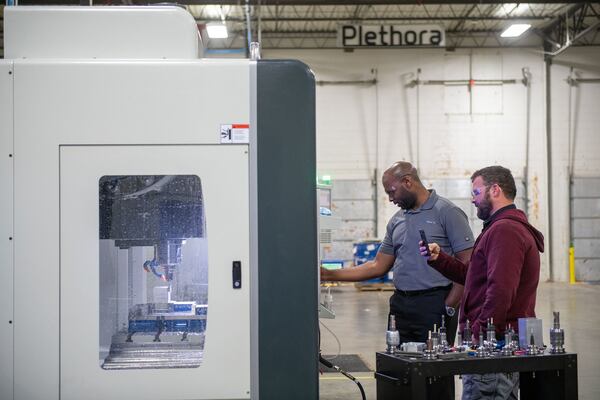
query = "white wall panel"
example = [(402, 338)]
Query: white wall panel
[(585, 268), (487, 65), (585, 100), (582, 208), (456, 66), (586, 227), (354, 230), (355, 123), (353, 203)]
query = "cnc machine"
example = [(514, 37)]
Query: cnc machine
[(160, 213)]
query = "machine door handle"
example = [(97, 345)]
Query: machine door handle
[(236, 272)]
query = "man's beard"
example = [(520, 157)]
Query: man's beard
[(408, 200), (484, 209)]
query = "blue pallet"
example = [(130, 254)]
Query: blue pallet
[(366, 251)]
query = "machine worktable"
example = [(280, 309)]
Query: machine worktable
[(547, 376)]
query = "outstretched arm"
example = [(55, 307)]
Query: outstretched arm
[(371, 269)]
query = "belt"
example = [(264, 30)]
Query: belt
[(410, 293)]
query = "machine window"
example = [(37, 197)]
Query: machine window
[(153, 272)]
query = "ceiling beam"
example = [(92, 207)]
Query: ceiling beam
[(345, 2), (350, 18), (285, 2)]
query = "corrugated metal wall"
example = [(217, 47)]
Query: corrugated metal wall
[(353, 200), (585, 228)]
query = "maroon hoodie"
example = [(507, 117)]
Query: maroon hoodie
[(502, 276)]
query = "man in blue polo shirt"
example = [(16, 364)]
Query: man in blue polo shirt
[(422, 294)]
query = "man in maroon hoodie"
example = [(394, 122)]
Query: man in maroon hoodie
[(502, 276)]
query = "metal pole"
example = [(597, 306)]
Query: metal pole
[(248, 27), (527, 82), (418, 127), (548, 61), (259, 29), (571, 161), (376, 171)]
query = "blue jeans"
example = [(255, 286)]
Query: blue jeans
[(497, 386)]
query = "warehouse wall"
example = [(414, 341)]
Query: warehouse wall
[(575, 124), (447, 130)]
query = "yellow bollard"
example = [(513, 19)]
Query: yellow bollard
[(572, 264)]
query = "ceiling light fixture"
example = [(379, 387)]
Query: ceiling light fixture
[(515, 30), (216, 31)]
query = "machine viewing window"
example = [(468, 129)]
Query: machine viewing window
[(153, 272)]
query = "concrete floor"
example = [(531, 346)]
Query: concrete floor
[(361, 319)]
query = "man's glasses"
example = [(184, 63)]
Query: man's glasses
[(477, 191)]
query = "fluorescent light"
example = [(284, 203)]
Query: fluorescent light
[(515, 30), (216, 31)]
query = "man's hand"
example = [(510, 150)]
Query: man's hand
[(434, 249)]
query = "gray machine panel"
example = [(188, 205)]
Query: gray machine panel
[(287, 252)]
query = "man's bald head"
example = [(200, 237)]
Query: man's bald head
[(400, 169)]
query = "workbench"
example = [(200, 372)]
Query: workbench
[(546, 376)]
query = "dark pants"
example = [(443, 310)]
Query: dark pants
[(415, 315), (491, 386)]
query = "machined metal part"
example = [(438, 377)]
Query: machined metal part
[(482, 350), (413, 347), (491, 335), (515, 341), (435, 339), (429, 353), (392, 337), (527, 327), (508, 349), (557, 336), (443, 337), (459, 342), (467, 335), (532, 349)]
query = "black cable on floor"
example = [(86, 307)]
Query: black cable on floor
[(328, 364)]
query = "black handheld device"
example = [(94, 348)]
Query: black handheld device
[(425, 242)]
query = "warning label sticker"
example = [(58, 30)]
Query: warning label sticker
[(235, 133)]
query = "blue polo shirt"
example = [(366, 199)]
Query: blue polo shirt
[(443, 222)]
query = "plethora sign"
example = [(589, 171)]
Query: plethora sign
[(391, 36)]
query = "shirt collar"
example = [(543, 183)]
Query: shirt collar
[(428, 205), (494, 215)]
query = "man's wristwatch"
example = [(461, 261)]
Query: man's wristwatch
[(450, 311)]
